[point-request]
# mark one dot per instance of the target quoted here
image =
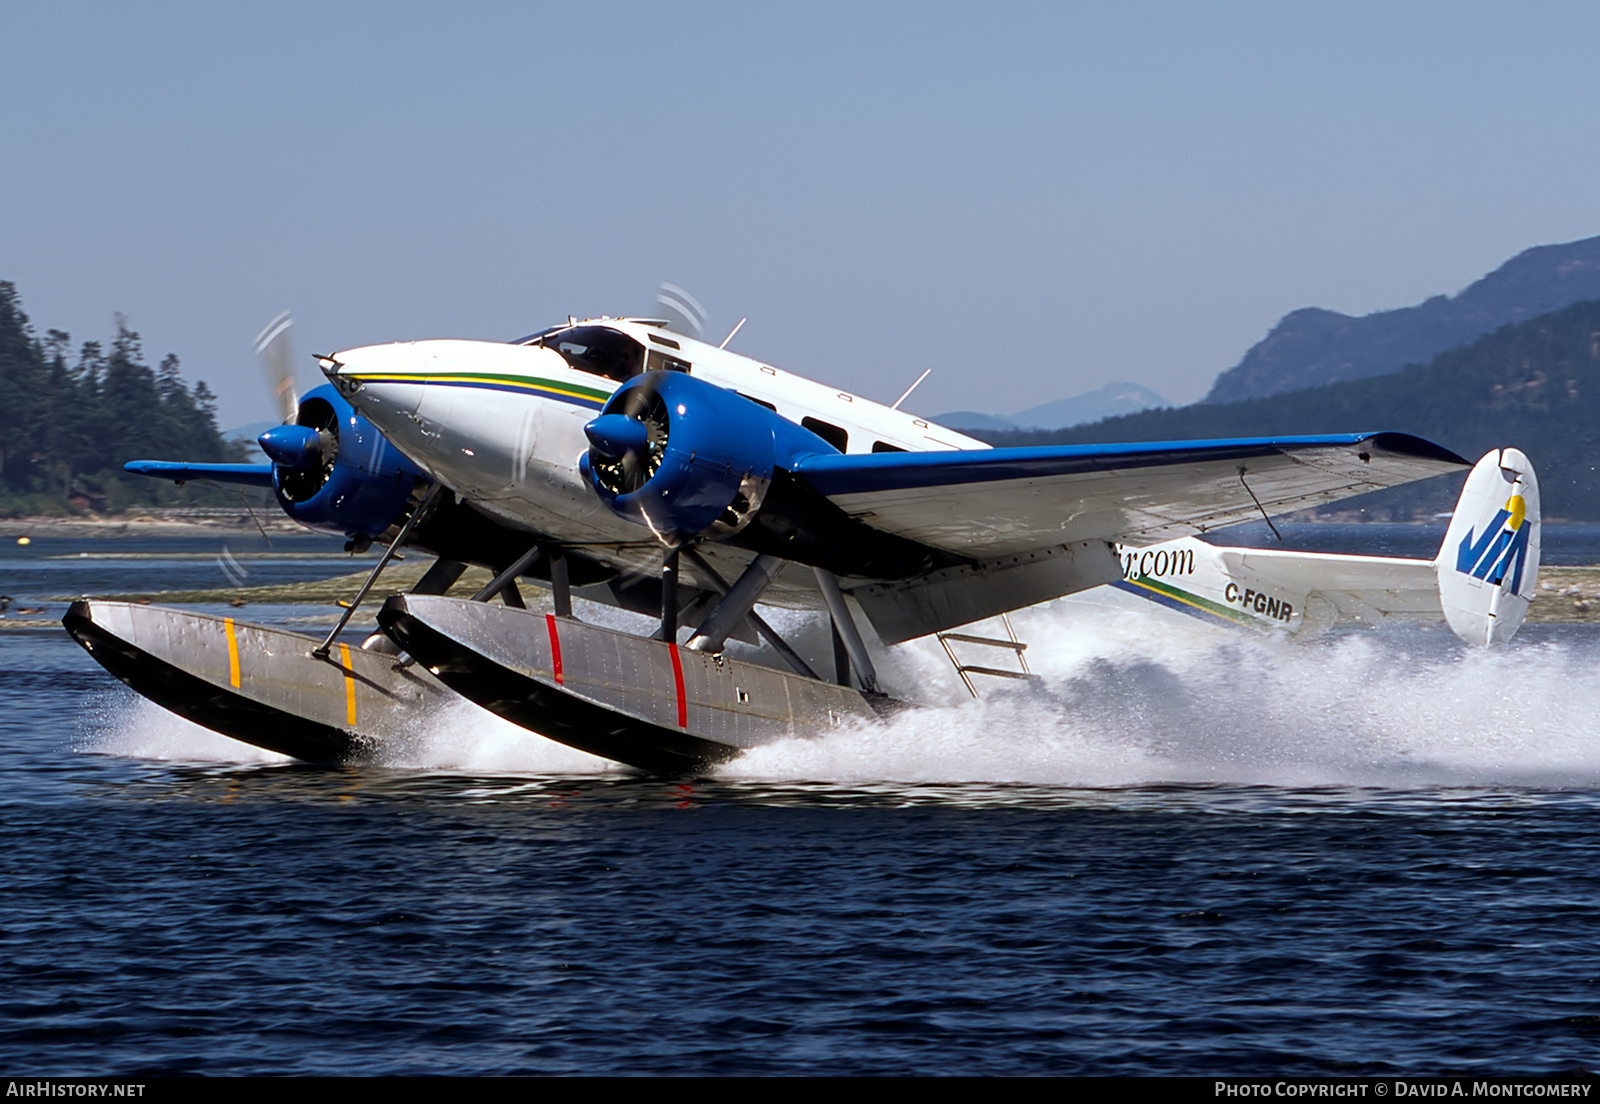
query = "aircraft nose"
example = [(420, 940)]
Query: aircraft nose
[(382, 375)]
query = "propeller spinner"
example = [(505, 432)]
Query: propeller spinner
[(626, 445)]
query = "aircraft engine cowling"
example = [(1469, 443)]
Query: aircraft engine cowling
[(688, 458), (333, 471)]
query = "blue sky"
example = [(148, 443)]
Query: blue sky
[(1031, 199)]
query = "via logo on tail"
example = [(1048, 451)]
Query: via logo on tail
[(1502, 548)]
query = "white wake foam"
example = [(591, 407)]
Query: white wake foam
[(128, 725), (1130, 695)]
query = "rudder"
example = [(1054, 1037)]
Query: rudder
[(1488, 566)]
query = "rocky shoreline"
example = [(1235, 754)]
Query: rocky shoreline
[(177, 523)]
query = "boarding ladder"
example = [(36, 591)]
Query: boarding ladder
[(1010, 644)]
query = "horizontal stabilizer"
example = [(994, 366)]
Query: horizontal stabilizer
[(252, 475)]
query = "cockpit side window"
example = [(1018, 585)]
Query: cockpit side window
[(661, 362), (598, 350)]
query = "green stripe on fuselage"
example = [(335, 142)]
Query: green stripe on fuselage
[(500, 382), (1204, 605)]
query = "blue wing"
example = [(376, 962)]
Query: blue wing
[(254, 475), (997, 502)]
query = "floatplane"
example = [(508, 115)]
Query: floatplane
[(622, 462)]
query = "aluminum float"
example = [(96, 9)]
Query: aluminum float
[(645, 702), (260, 685)]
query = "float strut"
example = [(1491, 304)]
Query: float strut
[(736, 604), (790, 656), (845, 626), (560, 587), (440, 577), (321, 650), (512, 596), (669, 595), (507, 579), (841, 656)]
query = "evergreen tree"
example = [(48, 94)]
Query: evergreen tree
[(22, 384), (67, 429)]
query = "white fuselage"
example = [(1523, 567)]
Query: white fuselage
[(502, 424)]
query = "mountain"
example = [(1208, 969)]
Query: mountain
[(1091, 406), (1534, 385), (1311, 347)]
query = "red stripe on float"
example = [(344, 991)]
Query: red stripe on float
[(555, 647), (677, 682)]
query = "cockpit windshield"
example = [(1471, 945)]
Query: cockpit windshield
[(598, 350)]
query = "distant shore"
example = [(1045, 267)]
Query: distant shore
[(175, 523)]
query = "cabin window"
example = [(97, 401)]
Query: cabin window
[(667, 341), (885, 446), (598, 350), (830, 433), (661, 362), (758, 402)]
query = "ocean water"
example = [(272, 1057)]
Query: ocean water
[(1185, 851)]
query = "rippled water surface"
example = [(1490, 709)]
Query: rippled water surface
[(1185, 852)]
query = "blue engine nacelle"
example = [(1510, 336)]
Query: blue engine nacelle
[(688, 458), (347, 479)]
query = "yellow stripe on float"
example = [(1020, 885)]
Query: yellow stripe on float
[(233, 653), (349, 686)]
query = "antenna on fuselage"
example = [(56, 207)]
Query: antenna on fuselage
[(733, 331), (910, 389)]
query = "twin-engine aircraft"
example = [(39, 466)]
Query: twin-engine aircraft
[(622, 462)]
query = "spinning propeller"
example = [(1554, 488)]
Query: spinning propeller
[(304, 446), (627, 440)]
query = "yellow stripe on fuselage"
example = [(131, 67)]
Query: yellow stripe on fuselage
[(507, 383)]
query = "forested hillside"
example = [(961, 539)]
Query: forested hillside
[(1535, 385), (70, 419), (1314, 347)]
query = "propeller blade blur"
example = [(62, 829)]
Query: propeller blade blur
[(277, 362), (684, 312)]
